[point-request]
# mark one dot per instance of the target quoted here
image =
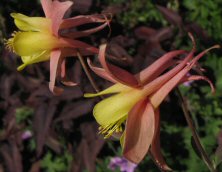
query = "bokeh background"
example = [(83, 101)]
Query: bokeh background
[(42, 132)]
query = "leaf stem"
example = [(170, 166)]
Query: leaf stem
[(195, 135)]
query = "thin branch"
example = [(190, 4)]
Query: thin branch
[(87, 72), (196, 138)]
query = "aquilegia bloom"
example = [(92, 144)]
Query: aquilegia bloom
[(52, 38), (136, 101)]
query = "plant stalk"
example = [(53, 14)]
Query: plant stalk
[(195, 135), (87, 72)]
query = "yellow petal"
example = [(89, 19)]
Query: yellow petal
[(122, 139), (113, 89), (26, 23), (21, 67), (116, 107), (38, 57), (29, 43)]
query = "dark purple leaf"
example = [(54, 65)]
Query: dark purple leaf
[(118, 55), (12, 157), (35, 167), (88, 149), (82, 6), (41, 124), (89, 131), (171, 16), (54, 144), (144, 33), (75, 110), (199, 31), (113, 9), (77, 71)]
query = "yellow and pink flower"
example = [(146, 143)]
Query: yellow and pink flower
[(52, 37), (134, 105)]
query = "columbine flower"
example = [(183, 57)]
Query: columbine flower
[(41, 39), (122, 163), (136, 101)]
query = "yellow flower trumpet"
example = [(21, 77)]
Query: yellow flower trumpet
[(134, 105)]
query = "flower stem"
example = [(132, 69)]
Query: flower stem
[(87, 72), (195, 135)]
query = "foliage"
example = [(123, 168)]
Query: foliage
[(23, 113), (204, 11), (206, 113), (138, 12), (61, 163), (215, 62)]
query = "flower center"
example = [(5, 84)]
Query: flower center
[(9, 44), (109, 129)]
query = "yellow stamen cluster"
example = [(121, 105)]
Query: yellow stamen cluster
[(109, 129), (9, 44)]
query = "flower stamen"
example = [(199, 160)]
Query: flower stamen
[(9, 44), (109, 129)]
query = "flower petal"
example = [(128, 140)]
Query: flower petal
[(78, 34), (122, 139), (159, 95), (21, 67), (26, 23), (47, 7), (55, 10), (198, 77), (100, 71), (115, 72), (139, 131), (29, 43), (71, 51), (158, 66), (155, 146), (116, 107), (35, 58), (80, 45), (63, 68), (64, 79), (83, 19), (113, 89), (162, 63), (54, 63), (161, 80), (68, 83)]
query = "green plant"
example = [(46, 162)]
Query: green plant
[(23, 113), (58, 163), (204, 11), (138, 12)]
